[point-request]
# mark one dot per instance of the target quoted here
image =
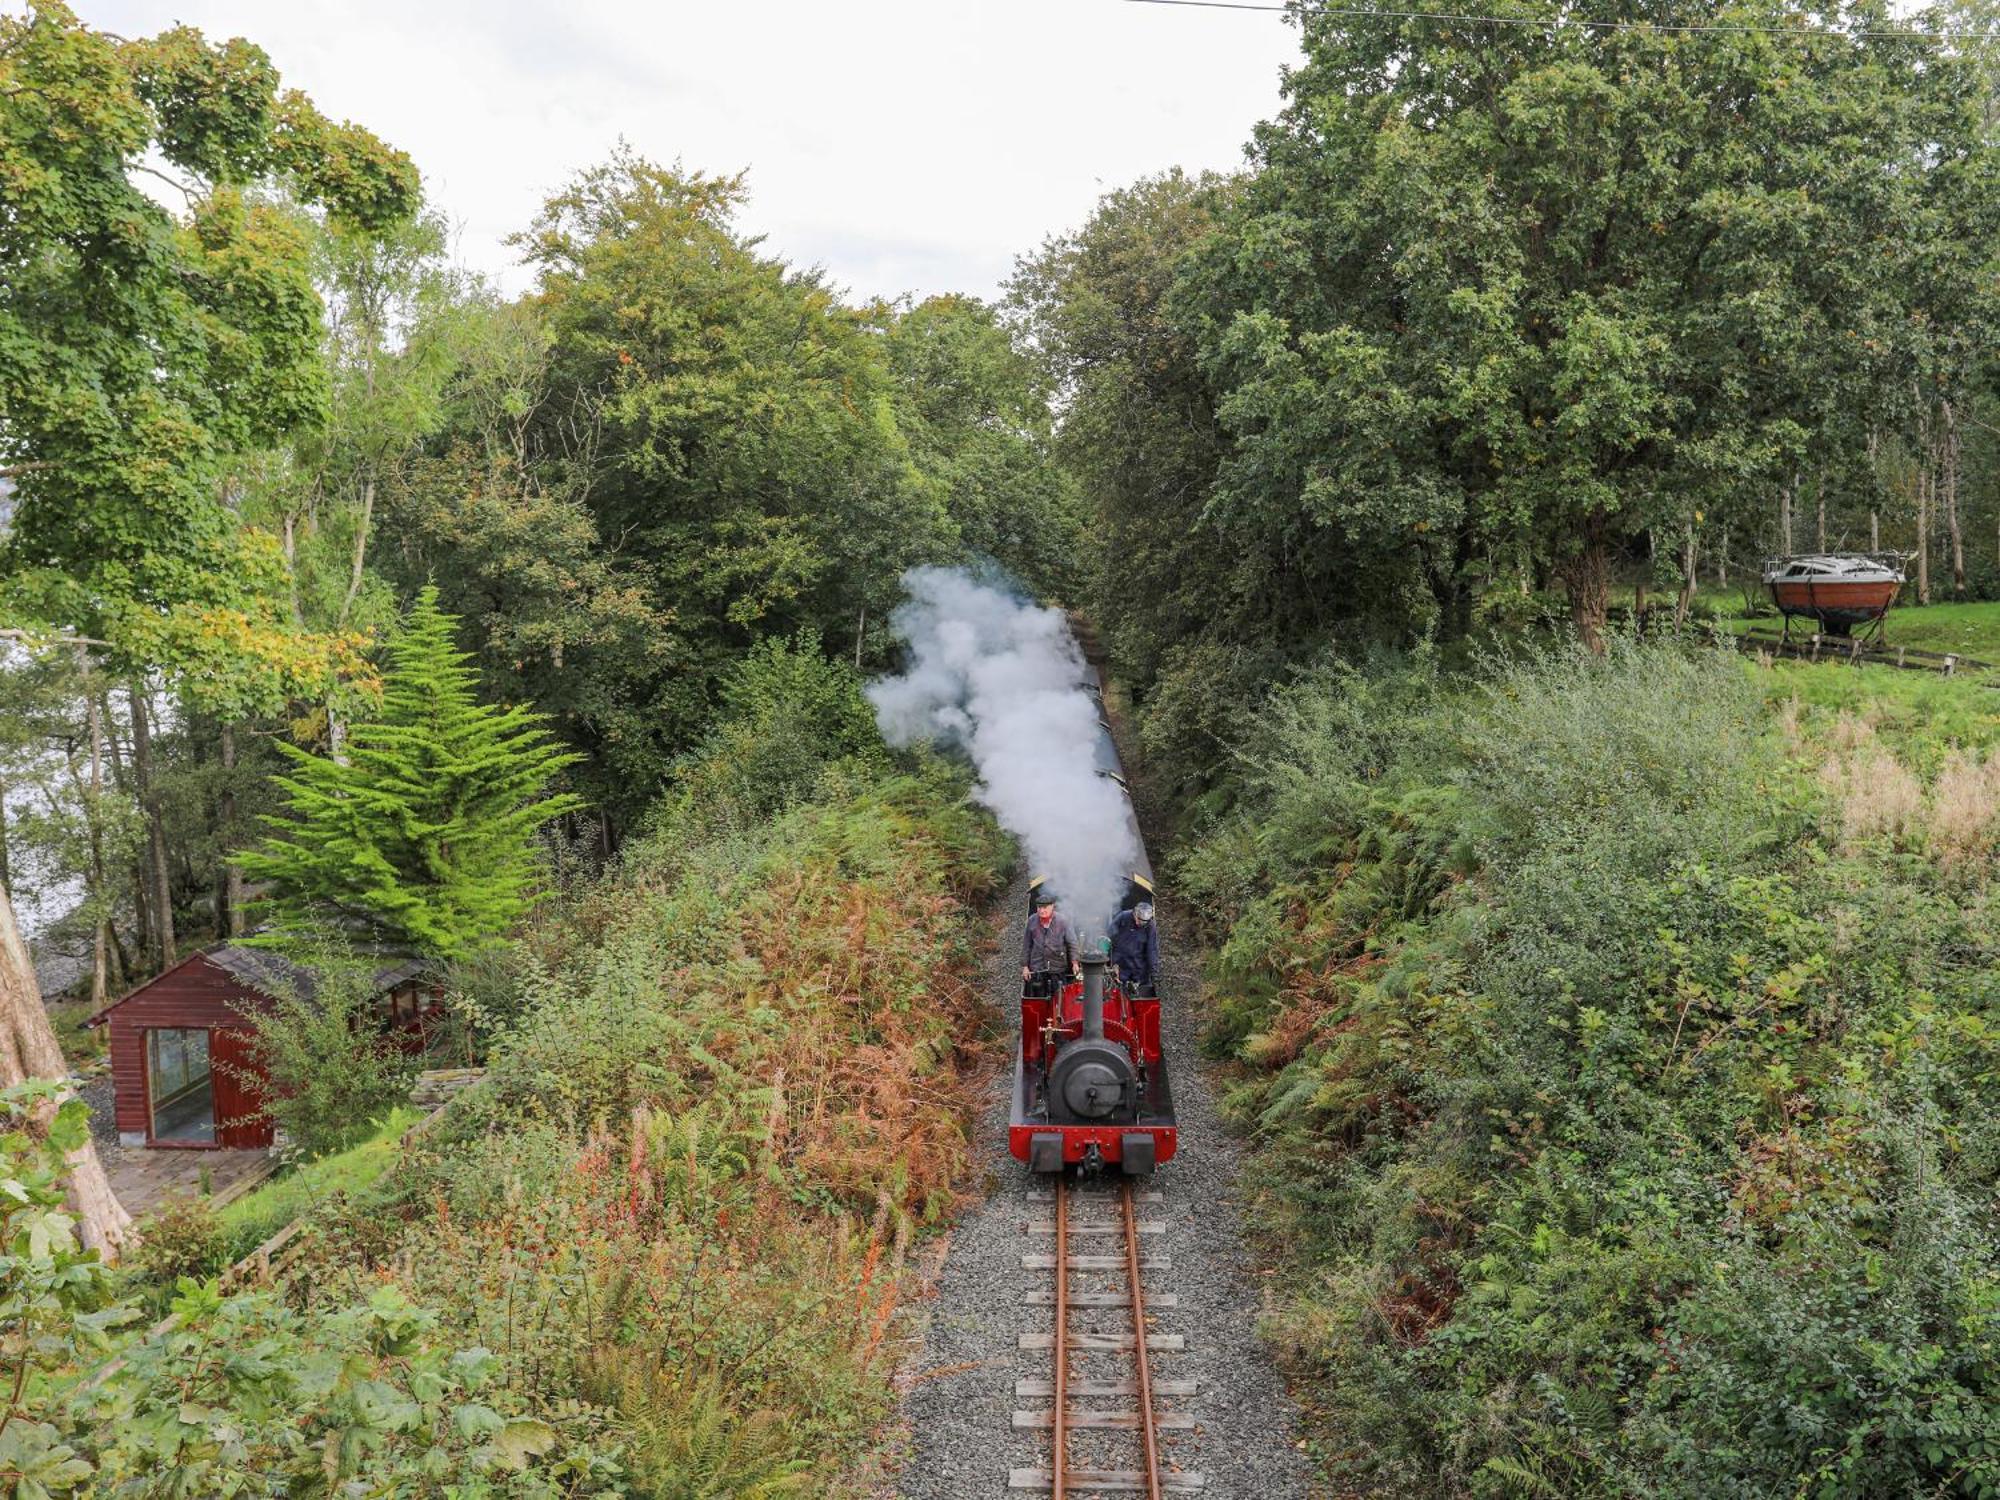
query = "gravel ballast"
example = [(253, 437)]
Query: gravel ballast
[(958, 1389)]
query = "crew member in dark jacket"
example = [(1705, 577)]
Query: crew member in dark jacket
[(1048, 945), (1135, 949)]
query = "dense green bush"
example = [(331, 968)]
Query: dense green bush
[(1625, 1082), (242, 1395), (789, 713), (334, 1069), (731, 1098), (245, 1396), (724, 1094), (181, 1238)]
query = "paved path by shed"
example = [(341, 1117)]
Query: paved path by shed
[(143, 1179)]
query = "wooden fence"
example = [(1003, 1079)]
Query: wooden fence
[(1852, 650)]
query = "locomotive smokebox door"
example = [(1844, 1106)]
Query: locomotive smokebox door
[(1135, 1153)]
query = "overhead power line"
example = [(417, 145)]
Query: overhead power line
[(1370, 14)]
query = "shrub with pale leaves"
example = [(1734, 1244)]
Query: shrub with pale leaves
[(1965, 809), (1875, 795)]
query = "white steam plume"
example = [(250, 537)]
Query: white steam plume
[(1004, 679)]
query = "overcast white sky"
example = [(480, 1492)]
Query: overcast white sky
[(906, 145)]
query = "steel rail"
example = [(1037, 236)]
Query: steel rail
[(1059, 1458), (1144, 1364)]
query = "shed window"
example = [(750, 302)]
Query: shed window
[(180, 1084)]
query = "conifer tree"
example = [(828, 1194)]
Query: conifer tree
[(421, 839)]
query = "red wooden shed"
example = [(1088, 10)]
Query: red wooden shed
[(182, 1072)]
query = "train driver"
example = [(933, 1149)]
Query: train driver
[(1135, 949), (1048, 945)]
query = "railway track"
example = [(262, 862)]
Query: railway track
[(1101, 1345)]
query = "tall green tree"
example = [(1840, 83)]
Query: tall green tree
[(1192, 624), (495, 511), (1528, 290), (422, 837), (733, 429), (388, 358), (975, 412), (141, 351)]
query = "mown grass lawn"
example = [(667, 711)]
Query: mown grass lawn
[(1968, 629), (1924, 713)]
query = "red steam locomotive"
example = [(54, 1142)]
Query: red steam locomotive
[(1090, 1080), (1090, 1076)]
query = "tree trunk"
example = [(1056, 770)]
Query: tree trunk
[(6, 870), (156, 826), (336, 732), (1785, 516), (1587, 577), (291, 546), (1722, 559), (1948, 478), (107, 948), (1456, 602), (1924, 532), (142, 907), (1448, 580), (1819, 500), (99, 891), (123, 967), (1685, 604), (357, 563), (231, 924), (1874, 491), (28, 1049)]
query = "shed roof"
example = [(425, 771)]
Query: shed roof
[(271, 973)]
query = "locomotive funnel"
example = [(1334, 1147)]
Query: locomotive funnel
[(1094, 965)]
